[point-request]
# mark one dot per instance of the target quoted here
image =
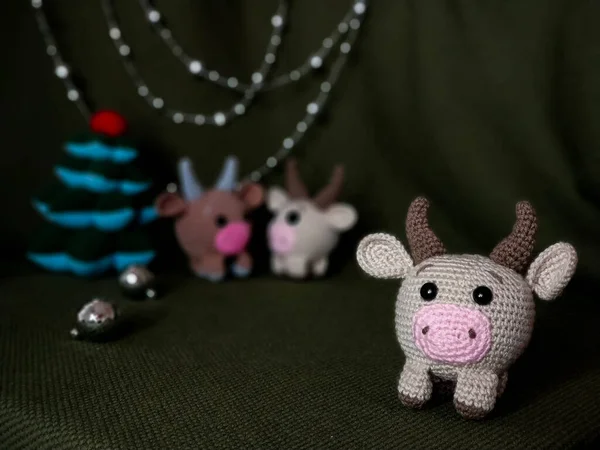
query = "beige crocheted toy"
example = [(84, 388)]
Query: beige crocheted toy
[(464, 319), (305, 230)]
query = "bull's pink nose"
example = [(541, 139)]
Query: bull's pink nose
[(452, 334), (233, 238), (282, 238)]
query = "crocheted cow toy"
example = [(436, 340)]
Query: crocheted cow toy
[(304, 231), (464, 319), (210, 224)]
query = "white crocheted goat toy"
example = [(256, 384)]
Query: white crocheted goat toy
[(305, 230), (463, 320)]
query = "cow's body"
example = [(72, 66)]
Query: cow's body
[(210, 225), (304, 231), (464, 319), (500, 330)]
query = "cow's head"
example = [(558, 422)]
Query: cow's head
[(306, 224), (462, 310), (214, 219)]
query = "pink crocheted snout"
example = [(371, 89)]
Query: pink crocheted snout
[(233, 238), (281, 238), (452, 334)]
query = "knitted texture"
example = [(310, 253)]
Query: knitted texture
[(211, 224), (475, 393), (98, 207), (448, 349), (441, 342), (294, 185), (305, 230), (422, 241), (560, 258), (515, 250), (283, 366), (464, 319), (385, 254)]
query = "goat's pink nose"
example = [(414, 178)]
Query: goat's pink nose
[(452, 334), (233, 238), (282, 238)]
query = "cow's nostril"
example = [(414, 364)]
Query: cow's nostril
[(452, 334)]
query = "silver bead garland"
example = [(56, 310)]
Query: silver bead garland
[(314, 108), (61, 69), (157, 22), (348, 28), (218, 118), (197, 67)]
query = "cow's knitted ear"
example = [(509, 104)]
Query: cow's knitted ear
[(252, 194), (383, 256), (170, 205), (552, 270), (341, 216), (276, 198)]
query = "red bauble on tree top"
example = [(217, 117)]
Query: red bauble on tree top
[(109, 123)]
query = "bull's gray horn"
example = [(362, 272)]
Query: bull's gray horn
[(228, 179), (190, 186)]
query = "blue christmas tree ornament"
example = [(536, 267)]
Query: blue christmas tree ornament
[(99, 206)]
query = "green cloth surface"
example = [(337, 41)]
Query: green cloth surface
[(474, 104), (268, 364)]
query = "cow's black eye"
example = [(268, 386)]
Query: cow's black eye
[(482, 295), (292, 217), (221, 221), (429, 291)]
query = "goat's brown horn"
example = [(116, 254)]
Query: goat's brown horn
[(329, 194), (516, 249), (422, 240), (293, 182)]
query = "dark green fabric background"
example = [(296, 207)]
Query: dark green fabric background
[(474, 103)]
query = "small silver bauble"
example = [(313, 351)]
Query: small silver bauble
[(96, 321), (138, 283)]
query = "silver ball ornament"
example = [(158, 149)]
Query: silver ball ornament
[(138, 283), (96, 321)]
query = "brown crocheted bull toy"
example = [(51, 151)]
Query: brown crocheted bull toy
[(210, 224), (464, 319)]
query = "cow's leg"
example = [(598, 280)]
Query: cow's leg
[(297, 266), (502, 380), (195, 263), (319, 267), (277, 264), (476, 392), (414, 386), (210, 266), (242, 266)]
